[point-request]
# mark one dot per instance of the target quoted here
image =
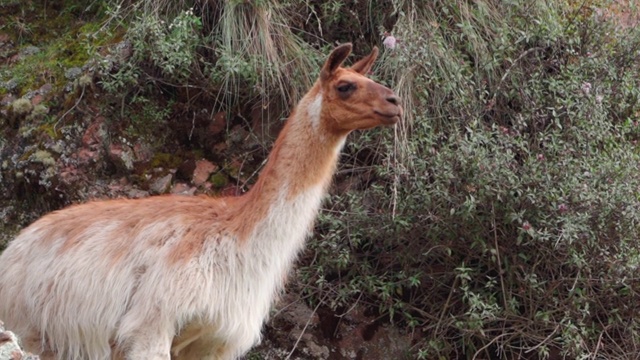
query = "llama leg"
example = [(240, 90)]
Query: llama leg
[(205, 347), (152, 345), (32, 343), (144, 338), (211, 347)]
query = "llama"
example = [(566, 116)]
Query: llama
[(186, 277)]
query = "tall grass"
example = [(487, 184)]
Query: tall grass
[(244, 51), (256, 33)]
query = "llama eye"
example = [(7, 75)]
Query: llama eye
[(345, 88)]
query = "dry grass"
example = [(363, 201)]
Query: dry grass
[(257, 33)]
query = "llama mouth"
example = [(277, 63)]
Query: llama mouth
[(388, 119)]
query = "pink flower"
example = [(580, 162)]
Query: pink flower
[(586, 87), (526, 226), (389, 42), (563, 208)]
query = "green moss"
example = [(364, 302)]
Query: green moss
[(44, 157), (165, 160), (64, 43), (21, 107), (219, 180), (84, 81), (27, 154), (39, 112), (49, 129)]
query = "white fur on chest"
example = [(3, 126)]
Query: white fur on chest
[(277, 240), (281, 235), (256, 271)]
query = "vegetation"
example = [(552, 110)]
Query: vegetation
[(506, 221), (500, 221)]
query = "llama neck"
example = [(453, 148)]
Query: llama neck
[(297, 175), (304, 155)]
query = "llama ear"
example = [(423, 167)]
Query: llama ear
[(364, 65), (337, 56)]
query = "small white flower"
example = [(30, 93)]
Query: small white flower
[(586, 87), (389, 42)]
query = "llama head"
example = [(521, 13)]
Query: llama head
[(352, 101)]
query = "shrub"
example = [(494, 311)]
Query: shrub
[(508, 223), (232, 52)]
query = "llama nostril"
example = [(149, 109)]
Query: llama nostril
[(393, 99)]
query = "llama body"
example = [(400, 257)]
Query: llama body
[(171, 277)]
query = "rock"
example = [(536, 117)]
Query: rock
[(10, 347), (37, 99), (137, 193), (372, 340), (186, 169), (218, 124), (72, 73), (86, 156), (220, 148), (161, 185), (92, 150), (124, 50), (7, 99), (30, 50), (201, 173), (183, 189), (10, 85), (237, 134), (317, 351), (69, 175), (142, 152), (45, 89), (230, 190), (95, 133), (121, 156), (29, 95)]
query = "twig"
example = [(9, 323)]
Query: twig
[(543, 341), (68, 111), (488, 344), (500, 270), (244, 184), (193, 125), (352, 307), (446, 304), (305, 327), (599, 344), (506, 73)]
